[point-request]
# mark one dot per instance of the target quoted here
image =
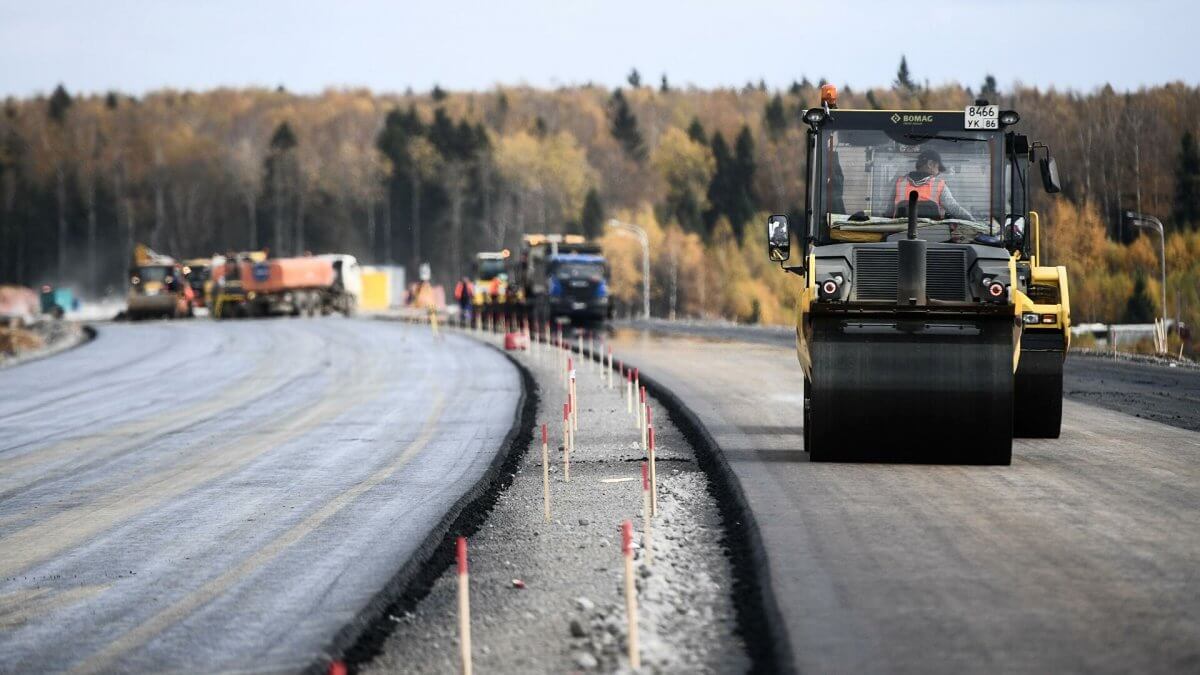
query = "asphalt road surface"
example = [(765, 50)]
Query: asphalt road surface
[(201, 496), (1084, 555)]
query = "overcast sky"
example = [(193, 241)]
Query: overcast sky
[(306, 45)]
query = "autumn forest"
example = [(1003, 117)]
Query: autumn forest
[(438, 175)]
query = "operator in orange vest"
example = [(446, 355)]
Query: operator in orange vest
[(930, 187)]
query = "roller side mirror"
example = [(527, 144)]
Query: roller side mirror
[(779, 239), (1050, 175)]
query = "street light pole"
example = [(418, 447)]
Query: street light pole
[(639, 234), (1152, 223)]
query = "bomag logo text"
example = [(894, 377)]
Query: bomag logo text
[(911, 119)]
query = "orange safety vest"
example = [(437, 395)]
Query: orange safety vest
[(929, 191)]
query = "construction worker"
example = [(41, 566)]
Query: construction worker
[(930, 187), (464, 292)]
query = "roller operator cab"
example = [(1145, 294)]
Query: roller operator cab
[(491, 279), (928, 327)]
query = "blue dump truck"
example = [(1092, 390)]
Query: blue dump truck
[(563, 278)]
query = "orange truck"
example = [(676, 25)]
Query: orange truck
[(308, 285)]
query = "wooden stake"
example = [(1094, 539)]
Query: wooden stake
[(635, 660), (574, 403), (609, 370), (647, 505), (464, 608), (642, 418), (546, 473), (567, 442), (653, 477), (629, 391)]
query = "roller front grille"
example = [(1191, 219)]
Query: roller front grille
[(876, 274), (946, 274)]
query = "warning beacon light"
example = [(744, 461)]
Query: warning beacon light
[(829, 95)]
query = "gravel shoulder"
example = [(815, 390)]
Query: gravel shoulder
[(547, 596)]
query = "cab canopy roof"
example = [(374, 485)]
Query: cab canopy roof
[(900, 122)]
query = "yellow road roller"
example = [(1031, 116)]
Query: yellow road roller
[(929, 328)]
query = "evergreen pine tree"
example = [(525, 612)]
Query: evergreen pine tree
[(60, 100), (743, 204), (988, 89), (776, 118), (695, 131), (723, 186), (624, 127), (903, 77), (283, 139), (1187, 182), (1139, 308), (438, 94), (592, 217), (872, 101), (664, 87), (634, 78)]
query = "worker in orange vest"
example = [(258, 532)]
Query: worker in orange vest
[(930, 187), (464, 293)]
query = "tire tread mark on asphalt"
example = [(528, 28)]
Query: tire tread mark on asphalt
[(265, 369), (37, 542), (142, 433), (103, 661), (138, 358)]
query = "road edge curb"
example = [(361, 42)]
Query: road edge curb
[(759, 619)]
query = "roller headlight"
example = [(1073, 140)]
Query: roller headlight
[(831, 288)]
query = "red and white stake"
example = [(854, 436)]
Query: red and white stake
[(546, 473), (628, 391), (647, 505), (653, 474), (609, 370), (464, 608), (572, 392), (567, 442), (635, 660), (642, 417)]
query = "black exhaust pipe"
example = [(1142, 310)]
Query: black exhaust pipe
[(910, 287)]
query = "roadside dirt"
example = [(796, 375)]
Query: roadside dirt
[(39, 339)]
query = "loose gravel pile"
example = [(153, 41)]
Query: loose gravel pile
[(547, 597), (37, 340)]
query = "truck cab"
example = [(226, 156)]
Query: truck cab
[(576, 288)]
